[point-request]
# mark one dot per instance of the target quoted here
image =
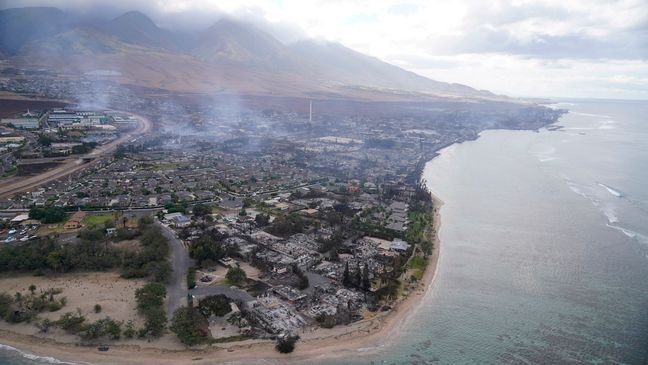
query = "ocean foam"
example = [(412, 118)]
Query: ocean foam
[(607, 124), (545, 153), (591, 115), (45, 359), (611, 216), (575, 188), (611, 190), (630, 233)]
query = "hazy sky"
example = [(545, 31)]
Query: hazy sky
[(578, 48)]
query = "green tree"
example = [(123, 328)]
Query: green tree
[(262, 219), (217, 305), (5, 304), (235, 275), (150, 301), (190, 326), (201, 210), (47, 214), (346, 280), (44, 140), (286, 344), (150, 295), (366, 284)]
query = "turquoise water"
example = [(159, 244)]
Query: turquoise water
[(545, 248)]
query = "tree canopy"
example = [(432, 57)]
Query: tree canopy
[(235, 275)]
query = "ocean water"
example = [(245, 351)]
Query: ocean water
[(544, 256)]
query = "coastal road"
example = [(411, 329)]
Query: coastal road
[(20, 184), (180, 263)]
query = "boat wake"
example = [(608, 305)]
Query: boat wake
[(643, 239), (609, 211), (611, 190)]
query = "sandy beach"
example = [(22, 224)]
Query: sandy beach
[(357, 339)]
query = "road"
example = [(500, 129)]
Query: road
[(20, 184), (236, 294), (180, 263), (177, 287)]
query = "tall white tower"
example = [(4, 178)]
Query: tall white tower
[(310, 111)]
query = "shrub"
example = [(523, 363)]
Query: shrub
[(149, 296), (47, 214), (190, 326), (150, 300), (5, 304), (101, 328), (286, 344), (54, 306), (155, 322), (71, 322), (326, 321), (235, 275), (191, 278), (217, 305), (45, 325), (129, 331)]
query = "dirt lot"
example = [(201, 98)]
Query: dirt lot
[(83, 290), (10, 105)]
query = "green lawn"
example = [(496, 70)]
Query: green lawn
[(11, 172), (95, 220), (418, 264)]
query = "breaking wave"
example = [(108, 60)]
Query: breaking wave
[(590, 115), (630, 233), (611, 190), (41, 359)]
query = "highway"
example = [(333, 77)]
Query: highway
[(18, 184)]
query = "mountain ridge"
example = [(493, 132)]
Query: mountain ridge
[(207, 61)]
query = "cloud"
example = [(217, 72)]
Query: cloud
[(547, 42)]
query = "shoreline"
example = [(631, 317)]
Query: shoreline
[(364, 337)]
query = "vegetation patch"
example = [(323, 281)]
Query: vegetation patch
[(236, 276), (191, 278), (25, 307), (190, 326), (48, 214), (150, 303), (93, 253), (97, 220)]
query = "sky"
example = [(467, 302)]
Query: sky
[(534, 48)]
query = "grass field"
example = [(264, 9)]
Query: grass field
[(50, 229), (95, 220), (417, 264)]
